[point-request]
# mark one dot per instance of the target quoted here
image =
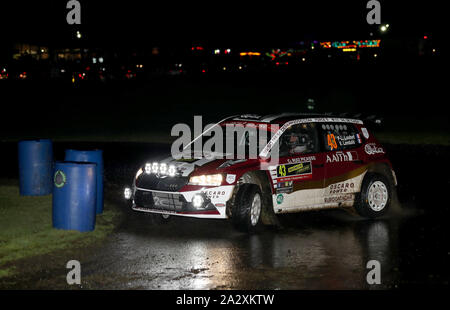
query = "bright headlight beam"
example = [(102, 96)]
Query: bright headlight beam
[(163, 168), (158, 169), (172, 171), (127, 193), (197, 201), (206, 180), (155, 167)]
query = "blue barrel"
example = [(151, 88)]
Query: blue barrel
[(74, 196), (35, 167), (93, 156)]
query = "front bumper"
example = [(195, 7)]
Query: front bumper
[(180, 203)]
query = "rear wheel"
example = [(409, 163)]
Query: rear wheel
[(375, 197), (247, 208)]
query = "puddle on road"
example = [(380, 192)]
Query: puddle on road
[(320, 250)]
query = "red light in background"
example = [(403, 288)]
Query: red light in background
[(277, 63), (203, 70), (425, 37)]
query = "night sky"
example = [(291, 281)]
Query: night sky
[(254, 23)]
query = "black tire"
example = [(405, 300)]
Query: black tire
[(369, 207), (242, 208)]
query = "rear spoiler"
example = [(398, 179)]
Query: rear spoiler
[(372, 121)]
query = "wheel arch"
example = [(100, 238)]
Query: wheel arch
[(385, 170), (263, 181)]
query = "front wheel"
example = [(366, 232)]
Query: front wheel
[(247, 208), (375, 197)]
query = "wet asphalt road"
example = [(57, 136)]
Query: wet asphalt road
[(316, 250)]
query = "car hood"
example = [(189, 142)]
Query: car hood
[(208, 165)]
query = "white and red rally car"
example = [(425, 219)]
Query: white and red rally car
[(324, 162)]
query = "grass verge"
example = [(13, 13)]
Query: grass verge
[(26, 228)]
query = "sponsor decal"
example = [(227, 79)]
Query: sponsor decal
[(295, 178), (60, 179), (230, 178), (358, 138), (160, 201), (331, 140), (346, 140), (214, 194), (372, 149), (301, 159), (285, 187), (294, 169), (339, 198), (342, 157), (342, 187), (365, 132), (280, 199), (251, 116)]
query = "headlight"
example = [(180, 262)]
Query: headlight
[(172, 170), (207, 180), (127, 193), (197, 201), (163, 169), (158, 169), (148, 168), (155, 167)]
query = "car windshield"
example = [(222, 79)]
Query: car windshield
[(237, 140)]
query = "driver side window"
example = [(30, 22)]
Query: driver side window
[(299, 139)]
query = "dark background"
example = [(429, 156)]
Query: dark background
[(404, 84)]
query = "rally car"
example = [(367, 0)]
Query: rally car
[(322, 162)]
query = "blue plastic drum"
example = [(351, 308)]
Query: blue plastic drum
[(93, 156), (74, 196), (35, 167)]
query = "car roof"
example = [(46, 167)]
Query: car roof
[(282, 118)]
